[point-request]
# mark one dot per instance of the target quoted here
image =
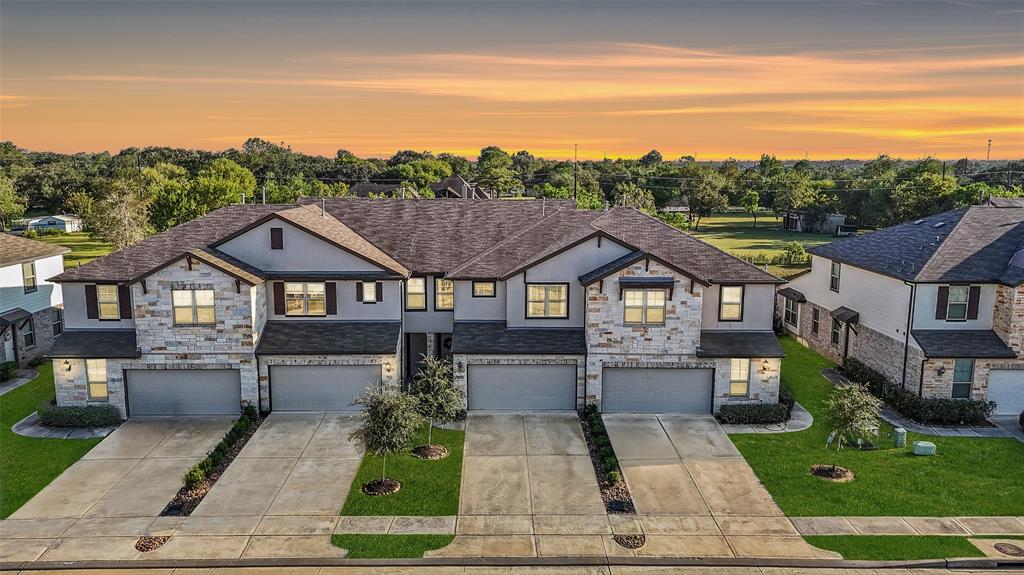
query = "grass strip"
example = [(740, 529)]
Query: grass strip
[(896, 547), (361, 546)]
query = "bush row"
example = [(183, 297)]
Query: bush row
[(34, 233), (939, 411), (753, 413), (8, 369), (197, 474), (606, 453), (53, 415)]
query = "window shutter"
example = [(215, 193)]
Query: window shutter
[(359, 291), (276, 239), (124, 301), (973, 298), (278, 298), (379, 289), (331, 293), (941, 302), (92, 307)]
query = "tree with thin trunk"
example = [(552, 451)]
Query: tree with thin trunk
[(439, 400), (389, 421), (750, 201), (853, 413)]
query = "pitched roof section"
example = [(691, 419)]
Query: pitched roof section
[(326, 226), (739, 344), (946, 343), (329, 337), (492, 337), (611, 267), (96, 343), (17, 250), (229, 265), (976, 244)]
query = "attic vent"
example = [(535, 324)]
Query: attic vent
[(938, 225), (918, 222)]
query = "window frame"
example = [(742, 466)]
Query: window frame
[(195, 307), (644, 305), (815, 320), (305, 299), (408, 293), (836, 332), (437, 292), (33, 286), (735, 381), (722, 303), (362, 288), (965, 303), (57, 321), (969, 383), (795, 312), (90, 382), (835, 275), (547, 300), (100, 302), (494, 289), (28, 334)]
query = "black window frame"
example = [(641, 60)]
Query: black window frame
[(721, 302), (57, 321), (969, 383), (815, 321), (26, 335), (494, 288), (34, 285), (795, 311), (836, 333), (437, 281), (835, 275), (526, 300)]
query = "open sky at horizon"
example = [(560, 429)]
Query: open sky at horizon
[(850, 79)]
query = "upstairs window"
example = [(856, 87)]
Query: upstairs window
[(276, 238), (444, 294), (833, 278), (28, 276), (370, 294), (963, 378), (644, 306), (193, 306), (305, 299), (107, 301), (96, 378), (415, 294), (956, 305), (730, 308), (791, 313), (739, 377), (483, 289), (547, 301)]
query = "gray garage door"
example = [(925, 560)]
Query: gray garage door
[(655, 390), (1006, 388), (522, 387), (320, 387), (183, 392)]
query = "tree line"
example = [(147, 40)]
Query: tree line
[(125, 196)]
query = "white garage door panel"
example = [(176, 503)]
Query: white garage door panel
[(320, 387), (1006, 388), (656, 390), (184, 392), (522, 387)]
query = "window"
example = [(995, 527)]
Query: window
[(646, 306), (193, 306), (28, 333), (483, 289), (739, 377), (106, 299), (415, 294), (305, 299), (444, 294), (963, 378), (28, 276), (57, 320), (814, 320), (791, 313), (96, 378), (956, 305), (833, 279), (369, 292), (835, 331), (730, 308), (276, 238), (547, 300)]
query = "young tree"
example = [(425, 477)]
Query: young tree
[(12, 205), (750, 201), (121, 216), (389, 421), (221, 183), (633, 196), (436, 394), (704, 194), (853, 412), (494, 171)]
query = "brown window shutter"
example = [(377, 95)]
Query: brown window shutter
[(276, 239), (92, 307), (973, 297), (331, 294), (379, 289), (124, 301), (359, 291), (941, 302), (278, 298)]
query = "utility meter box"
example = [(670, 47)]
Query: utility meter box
[(924, 448), (899, 437)]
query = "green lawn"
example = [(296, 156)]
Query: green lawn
[(28, 464), (390, 546), (736, 234), (83, 248), (896, 547), (969, 476), (428, 487)]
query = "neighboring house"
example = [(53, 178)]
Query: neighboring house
[(301, 307), (451, 187), (31, 311), (804, 221), (936, 304), (64, 223), (677, 205)]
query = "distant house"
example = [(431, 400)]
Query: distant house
[(64, 223), (678, 205), (802, 221), (31, 307), (453, 186)]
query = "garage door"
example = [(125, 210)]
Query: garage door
[(656, 390), (1006, 388), (522, 387), (183, 391), (320, 387)]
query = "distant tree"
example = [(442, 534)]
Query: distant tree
[(791, 191), (633, 196), (977, 192), (703, 191), (651, 158), (853, 414), (794, 253), (170, 193), (547, 190), (458, 164), (750, 202), (494, 171), (389, 422), (439, 399), (12, 205), (83, 205), (588, 199), (926, 194), (407, 156), (121, 216), (524, 163), (769, 166), (420, 173), (222, 183)]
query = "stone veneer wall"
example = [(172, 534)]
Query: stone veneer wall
[(389, 367), (462, 361), (71, 385), (1008, 317), (765, 374)]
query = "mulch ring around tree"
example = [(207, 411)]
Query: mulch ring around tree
[(832, 473), (381, 487), (150, 542), (430, 452), (630, 541)]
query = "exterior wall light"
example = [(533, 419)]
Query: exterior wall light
[(67, 365)]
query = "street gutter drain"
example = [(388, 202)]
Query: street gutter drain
[(1009, 549)]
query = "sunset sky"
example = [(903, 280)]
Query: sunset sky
[(714, 80)]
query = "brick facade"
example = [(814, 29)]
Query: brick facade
[(42, 322)]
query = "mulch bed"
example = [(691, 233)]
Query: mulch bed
[(630, 541), (430, 452), (616, 496), (830, 473), (148, 543), (185, 502), (381, 487)]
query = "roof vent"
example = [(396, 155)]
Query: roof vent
[(938, 225), (918, 222)]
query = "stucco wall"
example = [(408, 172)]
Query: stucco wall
[(469, 308), (924, 309), (429, 320), (301, 252), (757, 308), (75, 311)]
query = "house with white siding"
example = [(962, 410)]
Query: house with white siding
[(31, 306)]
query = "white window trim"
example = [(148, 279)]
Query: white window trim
[(645, 305), (835, 271), (194, 307), (116, 300), (34, 286), (746, 381), (438, 294), (370, 287), (89, 382), (795, 311), (950, 303)]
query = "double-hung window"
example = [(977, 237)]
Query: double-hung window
[(547, 300), (963, 378), (483, 289), (106, 301), (193, 306), (28, 333), (956, 305), (833, 277), (415, 294), (644, 306), (96, 379), (369, 292), (57, 320), (739, 377), (791, 312), (730, 308), (815, 320), (28, 276), (305, 298), (444, 294), (836, 331)]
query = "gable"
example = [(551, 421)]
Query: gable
[(300, 251)]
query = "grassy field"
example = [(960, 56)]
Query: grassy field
[(896, 547), (969, 476), (736, 234), (28, 464), (83, 248)]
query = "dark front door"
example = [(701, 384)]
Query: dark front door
[(415, 350)]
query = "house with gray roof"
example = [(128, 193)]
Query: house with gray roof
[(31, 313), (301, 307), (936, 304)]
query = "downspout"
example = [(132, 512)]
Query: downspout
[(906, 336)]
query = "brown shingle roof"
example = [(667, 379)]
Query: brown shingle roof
[(329, 228), (16, 250)]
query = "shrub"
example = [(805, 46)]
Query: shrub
[(753, 413), (611, 463), (195, 476), (606, 451), (786, 398), (614, 477), (8, 369), (35, 362), (53, 415), (198, 472), (30, 233)]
